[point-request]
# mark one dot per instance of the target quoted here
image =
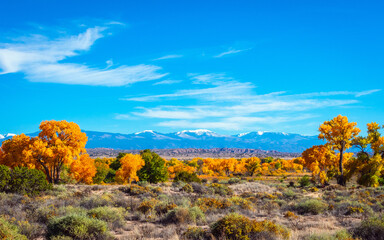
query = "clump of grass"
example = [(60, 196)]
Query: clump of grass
[(311, 206)]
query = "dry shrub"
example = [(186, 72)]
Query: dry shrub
[(236, 226), (212, 204)]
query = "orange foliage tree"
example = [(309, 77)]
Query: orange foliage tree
[(59, 143), (11, 151), (339, 134), (130, 164), (84, 169)]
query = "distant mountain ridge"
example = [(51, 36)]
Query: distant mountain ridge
[(200, 138)]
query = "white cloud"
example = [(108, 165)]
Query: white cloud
[(230, 51), (167, 82), (231, 105), (39, 59), (168, 57)]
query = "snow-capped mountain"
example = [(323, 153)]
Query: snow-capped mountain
[(200, 138)]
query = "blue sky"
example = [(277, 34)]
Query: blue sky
[(228, 66)]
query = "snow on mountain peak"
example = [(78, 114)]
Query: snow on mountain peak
[(145, 131), (243, 134), (197, 131), (260, 133), (1, 136)]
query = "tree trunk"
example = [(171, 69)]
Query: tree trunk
[(341, 179)]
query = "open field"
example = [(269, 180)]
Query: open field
[(188, 211)]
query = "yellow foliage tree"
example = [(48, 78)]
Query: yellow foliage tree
[(130, 164), (339, 133), (84, 169), (319, 159), (252, 165)]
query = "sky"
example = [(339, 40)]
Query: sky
[(228, 66)]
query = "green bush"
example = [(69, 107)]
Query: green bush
[(187, 177), (234, 180), (370, 229), (220, 189), (9, 230), (348, 207), (113, 216), (78, 227), (5, 177), (22, 180), (235, 227), (311, 206), (154, 170), (196, 233), (180, 215), (305, 181), (341, 235)]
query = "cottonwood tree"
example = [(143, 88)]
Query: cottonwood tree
[(130, 164), (339, 134), (59, 143)]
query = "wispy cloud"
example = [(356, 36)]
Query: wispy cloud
[(167, 82), (168, 57), (230, 51), (225, 103), (39, 58)]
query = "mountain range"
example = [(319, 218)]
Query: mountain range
[(201, 138)]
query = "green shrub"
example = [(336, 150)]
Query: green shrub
[(187, 177), (305, 181), (341, 235), (23, 181), (5, 177), (370, 229), (113, 216), (311, 206), (9, 230), (196, 233), (78, 227), (234, 180), (180, 215), (353, 208), (220, 189), (289, 194), (235, 226), (154, 170)]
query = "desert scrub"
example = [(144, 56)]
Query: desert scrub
[(9, 230), (353, 208), (305, 181), (241, 203), (78, 227), (163, 208), (235, 226), (212, 204), (311, 206), (234, 180), (290, 195), (113, 216), (180, 215), (199, 188), (220, 189), (147, 206), (196, 233), (340, 235), (187, 188), (96, 201), (370, 229)]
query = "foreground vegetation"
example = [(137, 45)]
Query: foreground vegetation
[(51, 189)]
